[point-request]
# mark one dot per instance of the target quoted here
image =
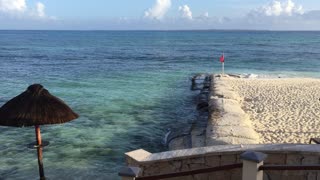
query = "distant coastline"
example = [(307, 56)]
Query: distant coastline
[(165, 30)]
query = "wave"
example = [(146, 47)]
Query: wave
[(260, 76), (275, 75), (165, 140)]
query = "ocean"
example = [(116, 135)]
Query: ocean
[(129, 88)]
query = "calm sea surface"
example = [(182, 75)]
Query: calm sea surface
[(128, 87)]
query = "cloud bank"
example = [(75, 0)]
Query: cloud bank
[(281, 15), (275, 15), (280, 8)]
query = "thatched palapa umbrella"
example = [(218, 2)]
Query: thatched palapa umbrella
[(35, 107)]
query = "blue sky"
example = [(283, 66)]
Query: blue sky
[(160, 14)]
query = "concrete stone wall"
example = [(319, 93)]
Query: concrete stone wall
[(227, 123), (205, 157)]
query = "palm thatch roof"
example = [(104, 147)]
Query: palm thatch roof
[(35, 106)]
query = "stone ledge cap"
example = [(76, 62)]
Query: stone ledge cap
[(138, 155)]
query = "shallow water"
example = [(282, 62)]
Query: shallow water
[(128, 87)]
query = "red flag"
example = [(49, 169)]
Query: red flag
[(222, 58)]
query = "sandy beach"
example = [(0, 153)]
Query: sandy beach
[(283, 110)]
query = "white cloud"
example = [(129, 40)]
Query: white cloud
[(185, 12), (273, 9), (280, 8), (9, 6), (18, 9), (159, 10), (40, 7), (206, 15)]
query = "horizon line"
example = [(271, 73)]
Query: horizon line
[(265, 30)]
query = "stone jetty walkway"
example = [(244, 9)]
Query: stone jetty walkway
[(220, 119)]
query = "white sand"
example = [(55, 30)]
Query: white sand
[(281, 110)]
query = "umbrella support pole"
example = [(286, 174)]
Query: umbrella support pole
[(39, 150)]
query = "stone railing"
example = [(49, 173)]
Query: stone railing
[(148, 164)]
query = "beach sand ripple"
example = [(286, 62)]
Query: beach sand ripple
[(281, 110)]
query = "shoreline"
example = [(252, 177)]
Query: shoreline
[(280, 110)]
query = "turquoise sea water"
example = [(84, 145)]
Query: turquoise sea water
[(128, 87)]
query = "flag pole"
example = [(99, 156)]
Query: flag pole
[(223, 68), (223, 64)]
